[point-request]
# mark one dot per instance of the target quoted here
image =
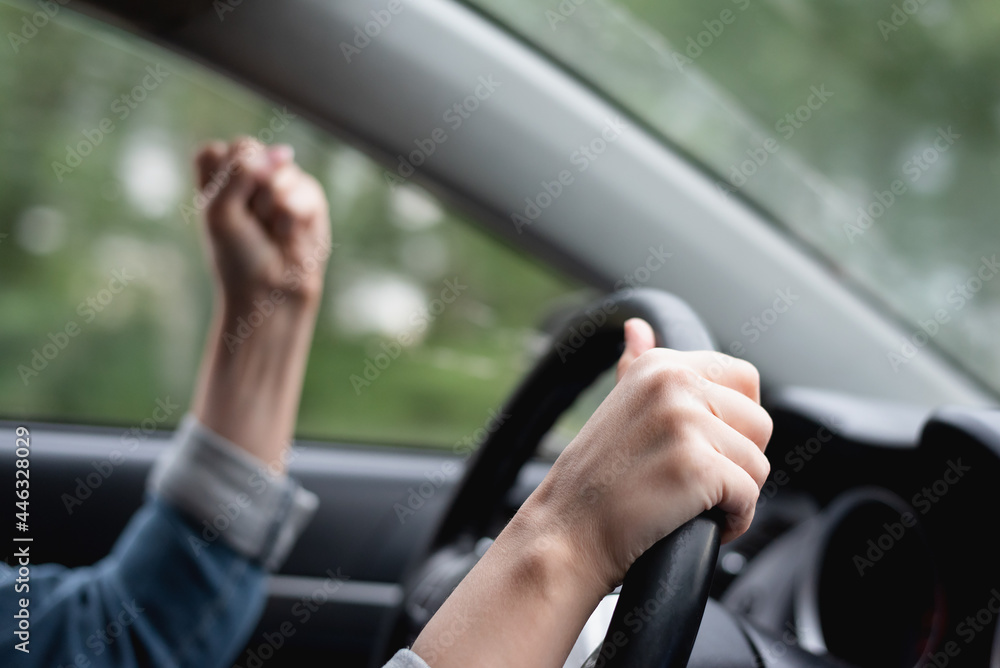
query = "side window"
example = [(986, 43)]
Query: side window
[(104, 295)]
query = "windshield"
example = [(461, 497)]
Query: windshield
[(868, 130)]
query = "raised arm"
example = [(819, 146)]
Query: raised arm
[(185, 583), (270, 237)]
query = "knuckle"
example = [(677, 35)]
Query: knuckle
[(717, 365), (748, 374), (244, 143), (749, 371), (671, 377), (239, 165), (763, 469), (648, 360), (766, 427), (750, 496), (697, 468), (677, 419), (287, 177)]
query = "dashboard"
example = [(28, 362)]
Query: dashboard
[(876, 536)]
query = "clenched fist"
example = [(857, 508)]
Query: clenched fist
[(267, 221), (681, 433)]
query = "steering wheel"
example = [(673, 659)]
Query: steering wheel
[(683, 562)]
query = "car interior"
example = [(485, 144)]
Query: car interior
[(533, 159)]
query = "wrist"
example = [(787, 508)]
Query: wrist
[(528, 586), (564, 554), (262, 303), (264, 349)]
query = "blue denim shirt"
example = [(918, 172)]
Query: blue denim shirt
[(151, 602), (185, 583)]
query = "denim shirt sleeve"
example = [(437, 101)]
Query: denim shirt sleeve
[(172, 593), (233, 497)]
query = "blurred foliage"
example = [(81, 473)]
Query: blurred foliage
[(717, 79), (63, 232)]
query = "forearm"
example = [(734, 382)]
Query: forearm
[(252, 372), (524, 604)]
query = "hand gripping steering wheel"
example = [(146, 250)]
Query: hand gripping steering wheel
[(683, 562)]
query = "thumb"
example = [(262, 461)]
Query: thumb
[(247, 165), (639, 338)]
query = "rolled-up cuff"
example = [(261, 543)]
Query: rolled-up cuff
[(231, 496), (404, 658)]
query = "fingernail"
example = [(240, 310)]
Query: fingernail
[(281, 153)]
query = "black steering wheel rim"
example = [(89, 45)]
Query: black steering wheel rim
[(588, 344)]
